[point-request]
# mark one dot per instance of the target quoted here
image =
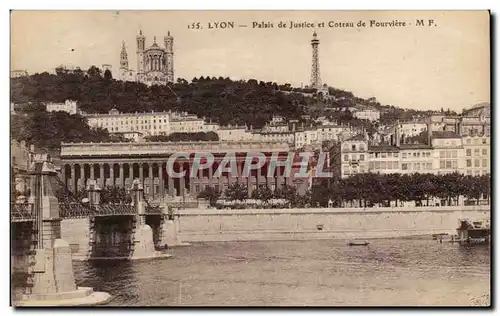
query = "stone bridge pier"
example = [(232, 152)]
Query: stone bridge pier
[(49, 279), (126, 233)]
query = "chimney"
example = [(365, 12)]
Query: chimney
[(459, 128), (397, 136), (429, 132)]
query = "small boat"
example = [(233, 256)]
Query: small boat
[(358, 243)]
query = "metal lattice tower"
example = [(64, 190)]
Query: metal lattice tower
[(315, 74)]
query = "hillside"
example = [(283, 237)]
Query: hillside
[(220, 99), (47, 130)]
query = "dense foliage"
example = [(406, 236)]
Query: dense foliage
[(225, 101), (369, 188), (48, 129)]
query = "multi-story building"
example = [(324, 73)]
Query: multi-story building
[(448, 152), (154, 123), (416, 158), (68, 106), (354, 156), (186, 123), (234, 133), (477, 155), (444, 152), (18, 73), (383, 159), (277, 136), (481, 110), (364, 112)]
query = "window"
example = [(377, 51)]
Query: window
[(404, 155), (371, 165), (404, 166), (469, 163), (353, 147), (361, 147), (468, 152), (377, 164), (370, 155), (395, 164), (429, 166), (476, 162), (346, 157), (484, 141), (442, 164), (383, 165), (454, 154), (469, 172), (448, 164), (454, 164), (389, 155), (362, 157), (469, 141), (476, 152), (346, 172), (442, 154), (396, 154), (485, 163), (485, 152)]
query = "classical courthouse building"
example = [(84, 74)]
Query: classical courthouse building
[(117, 164)]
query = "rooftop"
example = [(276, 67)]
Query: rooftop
[(445, 134), (383, 148)]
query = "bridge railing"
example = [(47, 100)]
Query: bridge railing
[(21, 212), (77, 210)]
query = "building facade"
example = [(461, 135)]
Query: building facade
[(118, 164), (445, 152), (18, 73), (154, 123), (68, 106)]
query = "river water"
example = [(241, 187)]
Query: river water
[(298, 273)]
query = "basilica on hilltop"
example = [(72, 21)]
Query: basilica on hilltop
[(155, 64)]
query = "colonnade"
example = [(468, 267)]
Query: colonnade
[(158, 182)]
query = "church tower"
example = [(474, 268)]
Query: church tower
[(141, 46), (123, 63), (169, 57)]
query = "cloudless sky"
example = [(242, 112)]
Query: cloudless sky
[(447, 65)]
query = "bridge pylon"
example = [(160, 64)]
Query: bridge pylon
[(143, 246), (51, 280)]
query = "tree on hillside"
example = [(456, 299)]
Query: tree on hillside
[(108, 75)]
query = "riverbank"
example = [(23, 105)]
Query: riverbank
[(302, 224)]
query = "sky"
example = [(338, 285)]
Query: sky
[(444, 65)]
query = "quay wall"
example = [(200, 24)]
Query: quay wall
[(197, 225)]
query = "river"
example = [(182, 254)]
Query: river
[(297, 273)]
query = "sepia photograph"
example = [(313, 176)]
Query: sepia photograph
[(266, 158)]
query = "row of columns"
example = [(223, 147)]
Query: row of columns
[(195, 181)]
